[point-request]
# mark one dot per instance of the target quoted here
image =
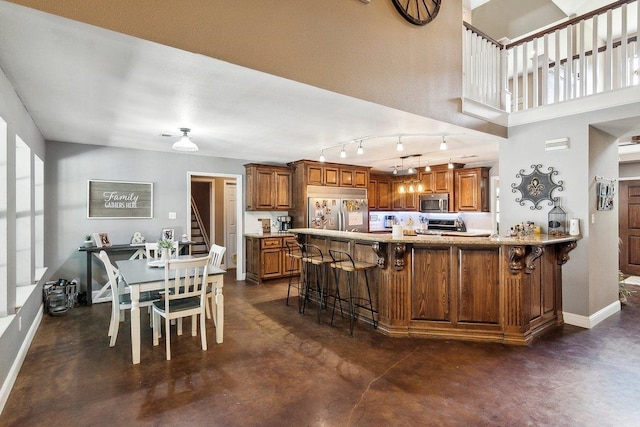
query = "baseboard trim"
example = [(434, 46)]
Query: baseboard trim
[(591, 321), (5, 391)]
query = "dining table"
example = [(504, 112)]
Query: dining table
[(140, 276)]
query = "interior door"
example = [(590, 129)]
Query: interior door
[(230, 223), (629, 227)]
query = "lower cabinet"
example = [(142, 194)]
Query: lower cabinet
[(267, 258)]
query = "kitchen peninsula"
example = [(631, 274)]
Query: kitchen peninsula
[(501, 289)]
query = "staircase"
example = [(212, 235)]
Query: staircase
[(198, 233)]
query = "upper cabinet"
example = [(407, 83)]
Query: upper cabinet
[(268, 187), (380, 193), (472, 190), (330, 174)]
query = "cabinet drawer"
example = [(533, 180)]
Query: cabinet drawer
[(271, 242)]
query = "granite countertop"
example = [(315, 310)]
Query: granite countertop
[(535, 239), (267, 235)]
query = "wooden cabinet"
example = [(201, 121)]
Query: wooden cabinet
[(472, 190), (379, 193), (266, 258), (317, 174), (403, 201), (268, 187)]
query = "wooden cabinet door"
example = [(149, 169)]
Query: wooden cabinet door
[(271, 263), (442, 181), (428, 181), (430, 299), (361, 178), (331, 177), (479, 286), (384, 195), (284, 191), (264, 189), (346, 178), (411, 201), (471, 193), (372, 194), (397, 198), (315, 175)]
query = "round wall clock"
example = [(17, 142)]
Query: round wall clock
[(418, 12)]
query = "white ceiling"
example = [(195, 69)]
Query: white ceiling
[(88, 85), (84, 84)]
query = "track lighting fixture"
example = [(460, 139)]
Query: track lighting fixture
[(450, 165), (427, 168), (443, 144), (184, 143), (395, 170), (399, 146), (360, 149), (322, 156), (343, 154)]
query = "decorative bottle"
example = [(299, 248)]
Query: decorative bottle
[(557, 219)]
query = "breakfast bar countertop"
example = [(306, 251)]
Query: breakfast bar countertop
[(469, 238)]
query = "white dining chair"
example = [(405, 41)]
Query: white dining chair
[(185, 285), (120, 298), (216, 253), (153, 253)]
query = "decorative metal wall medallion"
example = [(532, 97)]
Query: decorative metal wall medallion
[(536, 186)]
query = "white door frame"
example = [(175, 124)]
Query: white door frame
[(240, 274)]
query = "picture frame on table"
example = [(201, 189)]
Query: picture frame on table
[(168, 233), (102, 239)]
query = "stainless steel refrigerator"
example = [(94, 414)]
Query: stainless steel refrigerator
[(344, 209)]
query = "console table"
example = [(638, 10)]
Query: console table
[(137, 251)]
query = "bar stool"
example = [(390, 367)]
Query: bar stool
[(294, 252), (314, 275), (343, 262)]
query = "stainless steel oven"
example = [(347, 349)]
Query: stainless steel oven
[(438, 202)]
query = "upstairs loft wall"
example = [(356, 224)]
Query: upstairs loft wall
[(362, 50)]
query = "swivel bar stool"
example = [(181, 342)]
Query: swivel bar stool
[(314, 275), (343, 262), (294, 253)]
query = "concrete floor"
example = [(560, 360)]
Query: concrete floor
[(279, 368)]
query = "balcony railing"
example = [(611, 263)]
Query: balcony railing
[(591, 54)]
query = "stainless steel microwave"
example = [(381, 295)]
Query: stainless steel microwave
[(438, 202)]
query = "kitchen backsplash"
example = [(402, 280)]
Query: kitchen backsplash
[(252, 219), (474, 221)]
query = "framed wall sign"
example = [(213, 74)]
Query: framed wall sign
[(119, 199)]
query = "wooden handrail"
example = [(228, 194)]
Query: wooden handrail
[(481, 34), (571, 21), (196, 212)]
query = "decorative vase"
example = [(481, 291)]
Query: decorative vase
[(165, 254)]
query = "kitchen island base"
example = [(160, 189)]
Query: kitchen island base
[(479, 289)]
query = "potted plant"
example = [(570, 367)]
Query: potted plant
[(623, 291), (88, 241), (165, 246)]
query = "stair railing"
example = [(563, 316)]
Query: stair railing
[(594, 53), (203, 230)]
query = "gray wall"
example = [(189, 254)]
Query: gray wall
[(590, 276), (70, 166), (18, 123)]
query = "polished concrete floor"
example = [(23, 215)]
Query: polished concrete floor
[(279, 368)]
